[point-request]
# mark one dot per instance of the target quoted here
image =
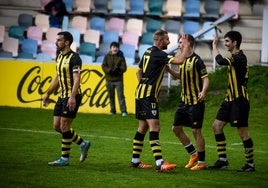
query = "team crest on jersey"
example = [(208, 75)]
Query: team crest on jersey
[(154, 112)]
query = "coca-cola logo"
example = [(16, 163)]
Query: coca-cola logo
[(33, 86)]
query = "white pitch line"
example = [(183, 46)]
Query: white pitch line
[(118, 138)]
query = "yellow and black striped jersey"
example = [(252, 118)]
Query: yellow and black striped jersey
[(192, 71), (152, 66), (67, 64), (238, 73)]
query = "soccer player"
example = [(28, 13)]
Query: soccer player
[(235, 108), (190, 111), (150, 74), (68, 67)]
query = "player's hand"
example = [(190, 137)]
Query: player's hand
[(45, 100), (71, 103), (215, 41), (201, 97)]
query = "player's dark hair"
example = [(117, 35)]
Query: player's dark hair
[(234, 36), (67, 36), (159, 34)]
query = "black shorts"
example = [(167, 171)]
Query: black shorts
[(235, 112), (189, 115), (147, 108), (62, 110)]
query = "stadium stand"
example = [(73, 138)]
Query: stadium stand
[(69, 5), (41, 20), (118, 7), (100, 6), (44, 57), (35, 33), (249, 21), (173, 8), (192, 8), (49, 47), (52, 33), (29, 46), (25, 20), (89, 49), (17, 32), (98, 23), (110, 36), (82, 5), (136, 7), (80, 23), (212, 8), (116, 24), (131, 38), (230, 6), (155, 7), (92, 36), (11, 45)]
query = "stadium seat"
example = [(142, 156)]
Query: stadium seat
[(5, 55), (100, 59), (11, 45), (147, 38), (25, 55), (44, 57), (76, 36), (135, 25), (35, 33), (190, 27), (82, 5), (68, 5), (89, 49), (136, 7), (49, 47), (16, 32), (230, 6), (52, 33), (74, 47), (29, 46), (80, 23), (129, 53), (116, 24), (118, 7), (110, 36), (92, 36), (25, 20), (173, 8), (98, 23), (42, 20), (131, 38), (192, 8), (153, 24), (212, 8), (155, 7), (101, 6), (172, 26), (104, 49), (86, 59), (65, 23)]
